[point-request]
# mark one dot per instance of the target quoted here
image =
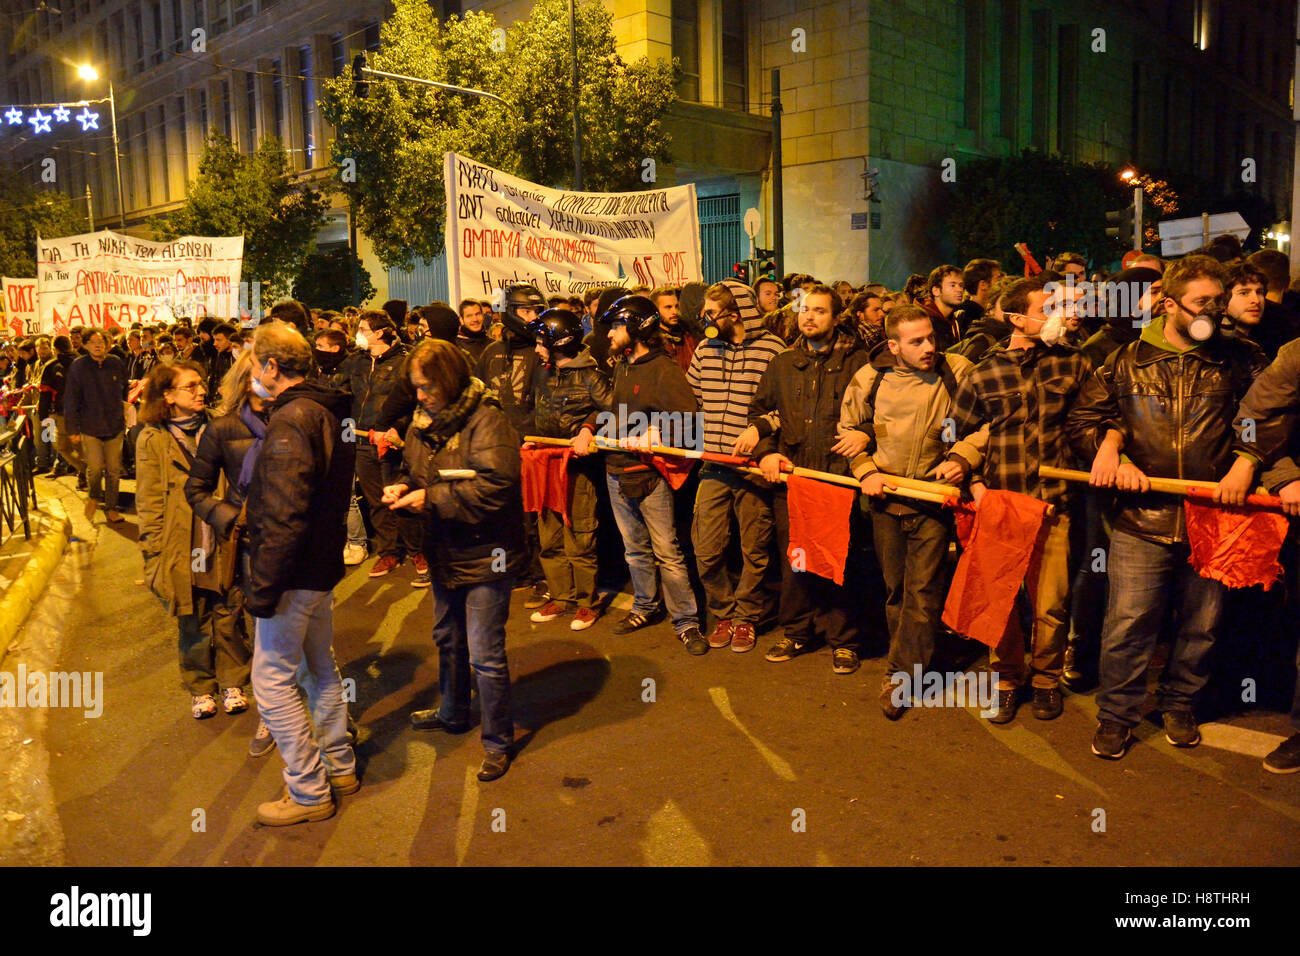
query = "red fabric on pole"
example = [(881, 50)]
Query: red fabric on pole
[(544, 475), (993, 565), (819, 526), (1236, 546), (675, 470), (964, 519)]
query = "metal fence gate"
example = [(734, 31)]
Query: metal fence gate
[(722, 236)]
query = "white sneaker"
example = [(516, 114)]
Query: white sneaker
[(354, 554)]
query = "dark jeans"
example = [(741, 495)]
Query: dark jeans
[(469, 627), (810, 602), (1089, 587), (723, 494), (396, 533), (911, 550), (1144, 578)]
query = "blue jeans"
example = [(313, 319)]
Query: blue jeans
[(1144, 578), (303, 630), (469, 627), (649, 539)]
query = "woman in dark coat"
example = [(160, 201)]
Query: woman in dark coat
[(473, 539)]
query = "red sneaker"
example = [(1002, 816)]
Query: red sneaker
[(547, 612), (742, 637), (584, 618), (721, 635), (384, 565)]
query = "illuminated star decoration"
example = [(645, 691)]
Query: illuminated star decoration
[(87, 119), (40, 122), (61, 114), (14, 116)]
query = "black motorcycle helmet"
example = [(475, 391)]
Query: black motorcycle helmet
[(520, 295), (559, 331), (638, 313)]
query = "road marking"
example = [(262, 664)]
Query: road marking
[(1241, 740), (671, 840), (1027, 744), (622, 601), (723, 703), (468, 809)]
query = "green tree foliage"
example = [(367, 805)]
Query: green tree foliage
[(325, 281), (26, 212), (391, 143), (253, 195), (1047, 202)]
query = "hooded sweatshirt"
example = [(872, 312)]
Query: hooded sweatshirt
[(725, 376)]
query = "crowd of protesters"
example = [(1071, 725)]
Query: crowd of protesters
[(267, 461)]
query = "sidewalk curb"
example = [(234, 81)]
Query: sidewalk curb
[(20, 597)]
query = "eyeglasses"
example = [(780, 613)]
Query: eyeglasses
[(194, 389), (714, 316)]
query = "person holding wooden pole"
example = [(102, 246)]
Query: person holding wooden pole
[(895, 420), (1162, 405), (1022, 391), (805, 385)]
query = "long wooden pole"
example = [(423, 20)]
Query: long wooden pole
[(1172, 486), (902, 487)]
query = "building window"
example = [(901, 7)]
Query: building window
[(220, 17), (686, 48), (974, 65), (1010, 120), (157, 32), (372, 36), (178, 28), (277, 99), (735, 68), (203, 113), (1067, 89), (164, 182), (250, 100), (180, 111), (226, 118), (243, 11), (1041, 33), (338, 55), (307, 102), (137, 25)]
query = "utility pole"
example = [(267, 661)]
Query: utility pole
[(778, 196), (577, 123)]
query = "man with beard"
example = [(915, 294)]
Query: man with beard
[(473, 335), (1247, 288), (804, 385)]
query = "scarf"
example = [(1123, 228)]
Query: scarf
[(186, 432), (437, 430), (258, 428)]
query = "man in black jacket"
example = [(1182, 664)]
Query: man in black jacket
[(652, 404), (508, 368), (473, 334), (374, 370), (301, 480), (94, 408), (1164, 406), (571, 392), (805, 386)]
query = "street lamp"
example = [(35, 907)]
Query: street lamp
[(88, 73)]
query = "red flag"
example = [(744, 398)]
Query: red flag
[(544, 474), (964, 518), (1237, 546), (819, 526), (675, 470), (989, 573)]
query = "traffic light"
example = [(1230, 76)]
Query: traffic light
[(360, 85), (1119, 226), (740, 271), (765, 264)]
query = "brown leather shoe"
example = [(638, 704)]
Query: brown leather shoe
[(742, 637), (721, 635)]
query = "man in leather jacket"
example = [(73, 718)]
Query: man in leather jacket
[(1163, 406)]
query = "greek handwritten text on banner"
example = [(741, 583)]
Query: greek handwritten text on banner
[(502, 229), (109, 279)]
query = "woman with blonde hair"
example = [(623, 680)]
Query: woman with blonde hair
[(181, 554), (216, 489)]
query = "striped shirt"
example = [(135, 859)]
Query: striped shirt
[(724, 377)]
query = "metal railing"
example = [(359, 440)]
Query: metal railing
[(17, 476)]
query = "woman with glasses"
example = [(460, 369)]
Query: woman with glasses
[(181, 563)]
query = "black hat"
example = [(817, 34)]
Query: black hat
[(396, 309), (442, 321)]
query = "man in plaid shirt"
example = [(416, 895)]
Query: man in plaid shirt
[(1022, 392)]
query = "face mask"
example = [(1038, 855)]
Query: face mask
[(1205, 324), (1053, 331), (261, 390), (362, 343)]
